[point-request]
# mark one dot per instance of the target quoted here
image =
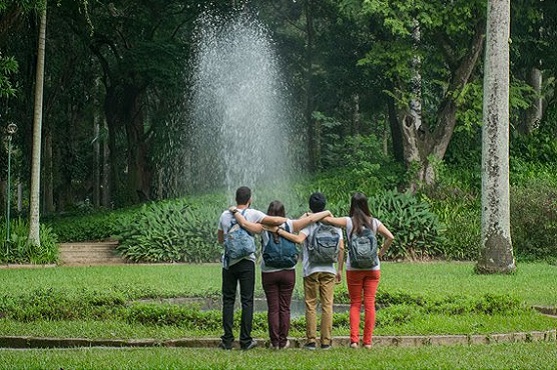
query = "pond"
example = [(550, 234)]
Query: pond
[(297, 307)]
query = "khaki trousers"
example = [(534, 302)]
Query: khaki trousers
[(322, 283)]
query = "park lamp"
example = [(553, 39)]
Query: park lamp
[(10, 130)]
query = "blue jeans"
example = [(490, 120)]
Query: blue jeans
[(242, 272)]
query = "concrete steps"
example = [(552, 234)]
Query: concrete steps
[(89, 253)]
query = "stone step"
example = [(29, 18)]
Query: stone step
[(89, 253)]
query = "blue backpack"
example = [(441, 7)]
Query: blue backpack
[(324, 244), (280, 252), (238, 242), (362, 249)]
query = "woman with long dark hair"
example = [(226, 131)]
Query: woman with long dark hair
[(362, 281)]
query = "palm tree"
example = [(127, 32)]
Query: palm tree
[(34, 237)]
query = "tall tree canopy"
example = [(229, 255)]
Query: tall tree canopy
[(405, 76)]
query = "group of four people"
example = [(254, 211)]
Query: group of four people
[(319, 279)]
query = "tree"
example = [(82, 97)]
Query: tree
[(140, 48), (34, 237), (496, 250), (448, 39)]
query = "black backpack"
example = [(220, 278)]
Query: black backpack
[(362, 249), (280, 252), (324, 244), (238, 242)]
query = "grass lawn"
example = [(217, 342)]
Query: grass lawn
[(496, 356), (532, 284)]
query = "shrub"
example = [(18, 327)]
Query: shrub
[(171, 231), (416, 228), (396, 315), (534, 220), (539, 146), (462, 234), (357, 163), (18, 250), (96, 226), (56, 304)]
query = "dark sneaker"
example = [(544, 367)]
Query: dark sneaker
[(251, 345), (325, 346), (224, 346), (310, 346)]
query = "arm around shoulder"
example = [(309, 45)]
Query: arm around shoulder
[(252, 227), (296, 238), (309, 218), (336, 221), (273, 220)]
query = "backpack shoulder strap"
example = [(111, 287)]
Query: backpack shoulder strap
[(234, 222), (286, 227), (314, 234)]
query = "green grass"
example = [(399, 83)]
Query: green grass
[(533, 283), (178, 280), (428, 283), (495, 356)]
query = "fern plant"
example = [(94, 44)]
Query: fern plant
[(416, 228)]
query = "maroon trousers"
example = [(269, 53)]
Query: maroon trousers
[(278, 287)]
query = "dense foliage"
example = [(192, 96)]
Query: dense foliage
[(16, 248), (172, 231), (117, 131), (534, 220), (116, 100), (443, 222)]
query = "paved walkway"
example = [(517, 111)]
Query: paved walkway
[(379, 341)]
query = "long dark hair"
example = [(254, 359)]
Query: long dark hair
[(359, 211), (276, 208)]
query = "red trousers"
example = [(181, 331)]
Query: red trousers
[(362, 286)]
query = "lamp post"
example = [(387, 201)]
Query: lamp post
[(10, 130)]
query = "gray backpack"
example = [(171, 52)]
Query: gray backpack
[(238, 242), (324, 244), (362, 249)]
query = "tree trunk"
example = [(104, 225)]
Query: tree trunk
[(421, 144), (356, 115), (139, 171), (106, 170), (396, 131), (496, 249), (313, 133), (96, 162), (19, 196), (34, 202), (411, 118), (48, 186), (534, 114)]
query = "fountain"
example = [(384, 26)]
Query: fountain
[(240, 114)]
